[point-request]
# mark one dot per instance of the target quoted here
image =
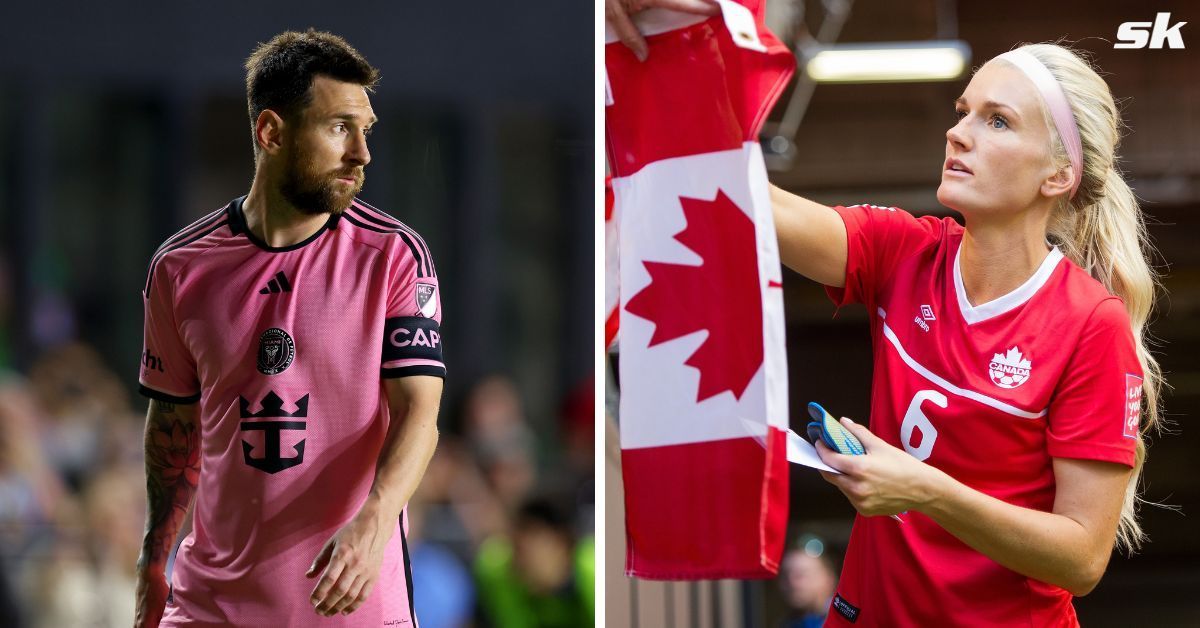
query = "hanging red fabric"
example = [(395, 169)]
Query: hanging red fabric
[(703, 367)]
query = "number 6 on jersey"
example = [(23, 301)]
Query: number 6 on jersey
[(915, 418)]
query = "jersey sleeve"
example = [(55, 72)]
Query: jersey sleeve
[(878, 238), (168, 370), (412, 339), (1097, 405)]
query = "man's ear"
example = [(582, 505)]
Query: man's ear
[(268, 132), (1060, 182)]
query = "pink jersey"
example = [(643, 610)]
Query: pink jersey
[(988, 393), (286, 349)]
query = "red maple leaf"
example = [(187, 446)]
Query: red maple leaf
[(721, 295)]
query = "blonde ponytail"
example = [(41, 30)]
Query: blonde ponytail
[(1102, 230)]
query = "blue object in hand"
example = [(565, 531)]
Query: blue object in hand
[(829, 430), (836, 437)]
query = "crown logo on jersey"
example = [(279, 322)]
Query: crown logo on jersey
[(272, 407), (272, 460), (1010, 369)]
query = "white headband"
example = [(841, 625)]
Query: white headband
[(1056, 101)]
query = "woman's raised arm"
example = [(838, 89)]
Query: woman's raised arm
[(812, 238)]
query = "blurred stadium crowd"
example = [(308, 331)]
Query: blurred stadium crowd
[(501, 526)]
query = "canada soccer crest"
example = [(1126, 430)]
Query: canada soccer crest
[(1010, 369)]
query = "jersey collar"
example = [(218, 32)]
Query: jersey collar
[(976, 313), (237, 223)]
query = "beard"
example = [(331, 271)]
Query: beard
[(313, 192)]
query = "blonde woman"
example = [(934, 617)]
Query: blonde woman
[(1011, 370)]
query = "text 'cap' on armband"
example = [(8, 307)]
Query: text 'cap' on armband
[(412, 345)]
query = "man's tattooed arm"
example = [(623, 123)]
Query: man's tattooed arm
[(172, 444)]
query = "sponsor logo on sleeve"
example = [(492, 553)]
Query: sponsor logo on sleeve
[(151, 362), (1133, 404)]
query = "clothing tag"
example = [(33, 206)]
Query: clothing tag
[(740, 22), (844, 608)]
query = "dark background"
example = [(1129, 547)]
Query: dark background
[(122, 122)]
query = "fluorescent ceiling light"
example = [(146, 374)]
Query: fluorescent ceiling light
[(888, 62)]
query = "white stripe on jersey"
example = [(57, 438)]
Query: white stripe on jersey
[(951, 388)]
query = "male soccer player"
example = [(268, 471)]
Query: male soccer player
[(293, 360)]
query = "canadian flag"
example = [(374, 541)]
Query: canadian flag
[(703, 377)]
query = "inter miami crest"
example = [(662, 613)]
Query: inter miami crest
[(425, 301), (275, 351)]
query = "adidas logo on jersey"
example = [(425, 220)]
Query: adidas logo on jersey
[(1010, 369), (278, 284)]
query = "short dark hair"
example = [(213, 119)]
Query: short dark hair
[(279, 73)]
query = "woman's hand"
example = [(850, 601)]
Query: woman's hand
[(1068, 547), (619, 13), (885, 481)]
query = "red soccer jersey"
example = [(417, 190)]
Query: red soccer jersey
[(987, 393), (285, 349)]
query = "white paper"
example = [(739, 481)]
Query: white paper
[(800, 451)]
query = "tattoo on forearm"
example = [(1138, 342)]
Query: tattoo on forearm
[(172, 474)]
